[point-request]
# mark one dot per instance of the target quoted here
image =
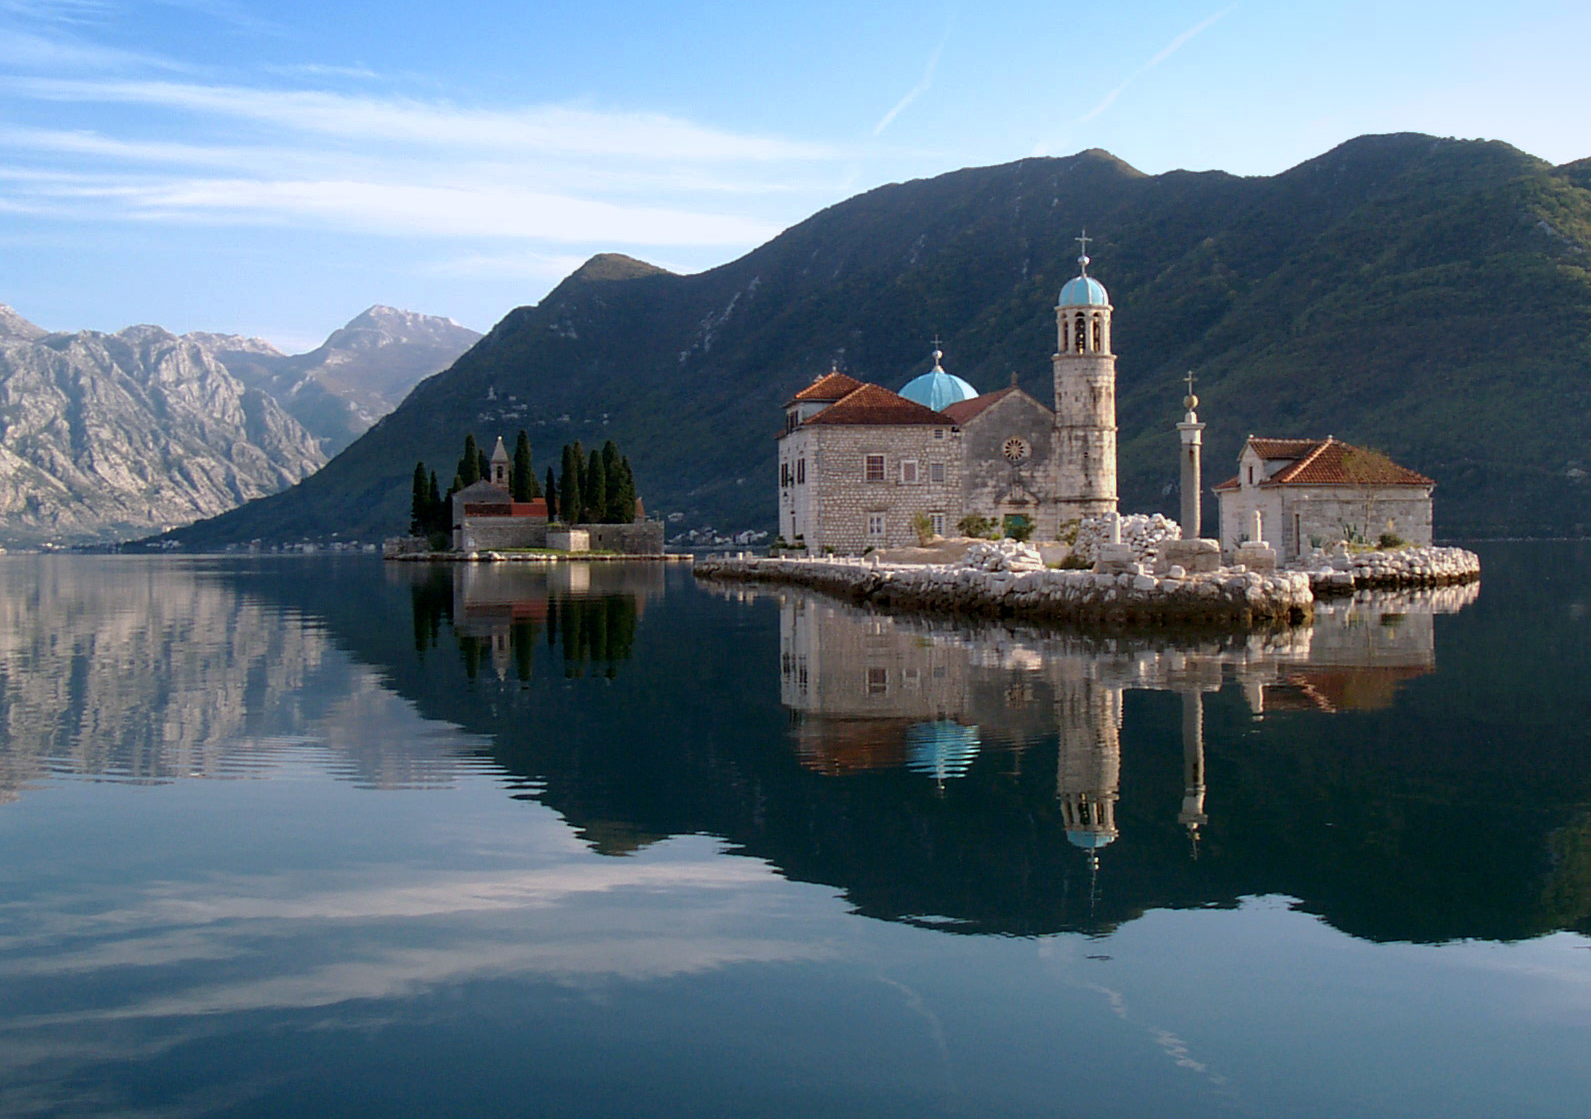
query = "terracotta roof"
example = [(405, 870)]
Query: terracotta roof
[(1231, 483), (1282, 448), (1330, 462), (964, 410), (1335, 463), (873, 404), (830, 386)]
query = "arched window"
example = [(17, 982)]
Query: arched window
[(1098, 346), (1081, 333), (1066, 335)]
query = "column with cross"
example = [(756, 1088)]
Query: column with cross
[(1191, 432)]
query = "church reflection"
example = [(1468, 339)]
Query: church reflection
[(871, 691), (586, 613)]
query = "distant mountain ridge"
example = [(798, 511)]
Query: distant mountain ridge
[(106, 436), (1427, 297), (359, 374), (103, 436)]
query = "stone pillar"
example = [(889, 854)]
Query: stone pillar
[(1192, 815), (1191, 431)]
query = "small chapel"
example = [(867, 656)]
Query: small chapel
[(859, 464)]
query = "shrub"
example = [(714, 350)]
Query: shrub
[(923, 526), (1391, 540), (974, 525), (1018, 528), (1067, 533)]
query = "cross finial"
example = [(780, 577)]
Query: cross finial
[(1082, 256), (938, 353), (1189, 379)]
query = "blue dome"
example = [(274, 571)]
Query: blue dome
[(1089, 840), (941, 749), (1083, 291), (937, 389)]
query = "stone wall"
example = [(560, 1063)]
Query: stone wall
[(480, 534), (991, 484), (846, 503), (640, 538), (1298, 518)]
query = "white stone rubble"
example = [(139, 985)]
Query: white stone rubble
[(1141, 532)]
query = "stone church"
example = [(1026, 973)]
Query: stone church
[(858, 463)]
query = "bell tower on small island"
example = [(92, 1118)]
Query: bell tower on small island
[(1085, 396)]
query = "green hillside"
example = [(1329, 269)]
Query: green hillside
[(1427, 297)]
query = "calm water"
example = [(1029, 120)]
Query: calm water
[(325, 837)]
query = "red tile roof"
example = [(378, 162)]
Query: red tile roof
[(964, 410), (830, 386), (1282, 448), (1329, 462), (873, 404)]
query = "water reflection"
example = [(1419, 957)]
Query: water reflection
[(152, 670), (498, 613)]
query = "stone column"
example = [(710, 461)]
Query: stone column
[(1191, 431), (1192, 815)]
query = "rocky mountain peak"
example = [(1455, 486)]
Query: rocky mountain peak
[(13, 325)]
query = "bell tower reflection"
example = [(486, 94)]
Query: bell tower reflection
[(1192, 815), (1088, 765)]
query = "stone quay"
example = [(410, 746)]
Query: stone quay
[(1007, 579), (1343, 572)]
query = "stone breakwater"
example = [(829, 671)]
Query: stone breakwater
[(1228, 598), (1406, 567)]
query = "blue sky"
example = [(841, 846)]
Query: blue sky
[(272, 169)]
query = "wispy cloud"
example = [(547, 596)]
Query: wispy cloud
[(917, 90), (554, 129), (557, 174), (1165, 52)]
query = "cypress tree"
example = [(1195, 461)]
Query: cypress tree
[(595, 495), (483, 464), (622, 500), (470, 465), (523, 477), (419, 511), (581, 502), (610, 479), (552, 496), (569, 487), (436, 517)]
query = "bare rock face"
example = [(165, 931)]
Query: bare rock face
[(110, 436), (359, 374), (13, 325)]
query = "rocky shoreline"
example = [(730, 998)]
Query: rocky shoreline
[(1007, 579), (1343, 573)]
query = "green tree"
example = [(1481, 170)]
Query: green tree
[(524, 477), (569, 496), (470, 465), (621, 499), (552, 496), (595, 496), (436, 509), (419, 510)]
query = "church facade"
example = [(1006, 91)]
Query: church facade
[(860, 466)]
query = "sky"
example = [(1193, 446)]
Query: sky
[(273, 169)]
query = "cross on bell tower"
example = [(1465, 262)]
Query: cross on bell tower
[(1085, 395)]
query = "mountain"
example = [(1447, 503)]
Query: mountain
[(103, 436), (14, 326), (355, 377), (1427, 297)]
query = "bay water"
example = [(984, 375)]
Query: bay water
[(328, 836)]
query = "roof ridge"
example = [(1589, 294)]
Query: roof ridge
[(1287, 472)]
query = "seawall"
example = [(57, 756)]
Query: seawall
[(1226, 598)]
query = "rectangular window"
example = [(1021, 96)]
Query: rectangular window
[(875, 524), (874, 468), (908, 472), (939, 433), (877, 681), (936, 521), (801, 471), (784, 474), (936, 472), (911, 678)]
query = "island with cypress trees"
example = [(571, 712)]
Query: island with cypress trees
[(496, 508)]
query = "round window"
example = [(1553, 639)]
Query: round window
[(1016, 449)]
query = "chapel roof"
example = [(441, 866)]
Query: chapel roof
[(964, 410), (483, 491), (830, 386), (874, 404), (1328, 462)]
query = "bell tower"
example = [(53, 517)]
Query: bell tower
[(1085, 396)]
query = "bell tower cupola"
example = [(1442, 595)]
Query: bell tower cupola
[(1085, 395)]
